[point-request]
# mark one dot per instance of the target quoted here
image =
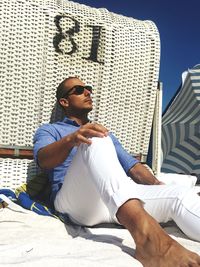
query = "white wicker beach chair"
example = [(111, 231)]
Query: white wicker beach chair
[(45, 41)]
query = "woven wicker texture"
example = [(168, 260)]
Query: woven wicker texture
[(43, 42), (14, 172)]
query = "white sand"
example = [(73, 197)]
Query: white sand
[(28, 239)]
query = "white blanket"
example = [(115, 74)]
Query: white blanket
[(28, 239)]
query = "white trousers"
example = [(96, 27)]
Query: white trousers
[(96, 186)]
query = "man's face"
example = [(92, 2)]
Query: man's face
[(78, 102)]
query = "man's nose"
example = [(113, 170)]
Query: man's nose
[(86, 92)]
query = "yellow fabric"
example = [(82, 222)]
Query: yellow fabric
[(20, 189)]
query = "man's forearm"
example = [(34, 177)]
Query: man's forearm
[(54, 154), (141, 175)]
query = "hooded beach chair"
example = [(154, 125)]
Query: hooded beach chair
[(43, 42)]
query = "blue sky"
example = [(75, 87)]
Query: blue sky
[(178, 23)]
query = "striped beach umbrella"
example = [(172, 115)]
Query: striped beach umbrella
[(181, 127)]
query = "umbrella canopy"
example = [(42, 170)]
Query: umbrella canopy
[(181, 127)]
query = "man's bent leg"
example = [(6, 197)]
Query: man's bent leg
[(95, 184), (100, 167)]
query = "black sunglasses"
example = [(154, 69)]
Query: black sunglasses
[(78, 90)]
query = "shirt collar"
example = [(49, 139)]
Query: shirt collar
[(69, 121)]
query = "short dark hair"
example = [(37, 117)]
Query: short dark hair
[(61, 90)]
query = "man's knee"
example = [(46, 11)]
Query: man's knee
[(102, 144), (102, 141)]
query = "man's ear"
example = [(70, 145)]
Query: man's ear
[(64, 102)]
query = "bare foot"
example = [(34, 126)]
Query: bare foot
[(171, 255), (154, 247)]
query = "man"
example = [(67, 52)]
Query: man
[(94, 180)]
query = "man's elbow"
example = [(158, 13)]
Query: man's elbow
[(41, 160)]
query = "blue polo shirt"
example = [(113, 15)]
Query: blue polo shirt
[(50, 133)]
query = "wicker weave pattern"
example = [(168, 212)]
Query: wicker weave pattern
[(125, 76), (14, 172)]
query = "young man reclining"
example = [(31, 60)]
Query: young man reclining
[(94, 180)]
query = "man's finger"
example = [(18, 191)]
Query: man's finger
[(93, 133), (82, 139), (98, 127)]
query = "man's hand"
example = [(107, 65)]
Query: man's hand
[(142, 175), (86, 132)]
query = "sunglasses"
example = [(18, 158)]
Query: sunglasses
[(77, 90)]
